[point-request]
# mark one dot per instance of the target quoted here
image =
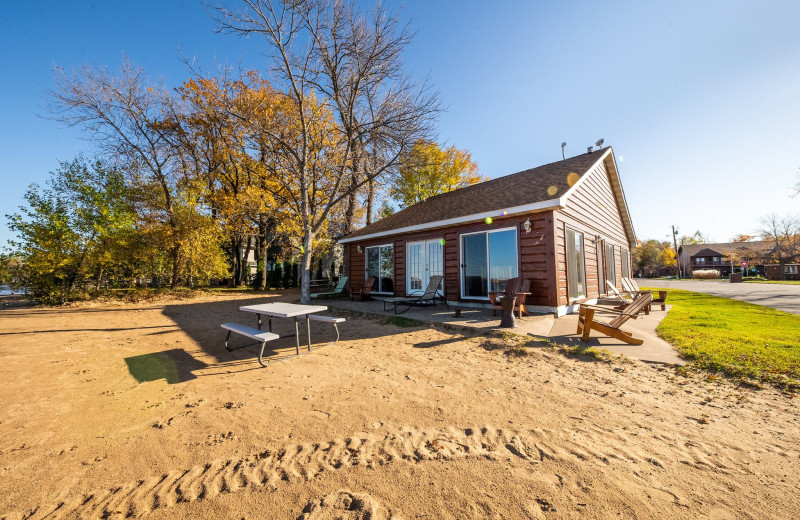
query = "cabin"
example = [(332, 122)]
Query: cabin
[(565, 226), (718, 256)]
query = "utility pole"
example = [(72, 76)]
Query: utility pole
[(730, 245), (675, 243)]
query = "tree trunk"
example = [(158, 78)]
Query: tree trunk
[(99, 278), (174, 253), (350, 214), (244, 268), (370, 199), (237, 261), (305, 266)]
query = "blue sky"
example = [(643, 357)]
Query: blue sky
[(701, 100)]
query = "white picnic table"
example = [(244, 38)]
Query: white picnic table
[(286, 310)]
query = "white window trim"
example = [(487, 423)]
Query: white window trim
[(461, 257), (366, 267)]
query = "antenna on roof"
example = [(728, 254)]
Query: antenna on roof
[(599, 144), (563, 145)]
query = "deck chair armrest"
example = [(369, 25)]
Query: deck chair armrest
[(601, 308)]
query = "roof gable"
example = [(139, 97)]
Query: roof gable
[(603, 174), (707, 252)]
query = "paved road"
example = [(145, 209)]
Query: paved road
[(778, 296)]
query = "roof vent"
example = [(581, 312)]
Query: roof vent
[(589, 149)]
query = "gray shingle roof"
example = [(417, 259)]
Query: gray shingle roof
[(518, 189), (724, 248)]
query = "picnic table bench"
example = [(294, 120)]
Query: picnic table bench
[(252, 333), (280, 310)]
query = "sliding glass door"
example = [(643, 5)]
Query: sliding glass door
[(488, 261), (380, 265)]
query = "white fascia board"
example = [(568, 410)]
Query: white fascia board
[(575, 186), (616, 187), (620, 192), (526, 208)]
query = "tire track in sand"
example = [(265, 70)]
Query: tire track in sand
[(289, 464)]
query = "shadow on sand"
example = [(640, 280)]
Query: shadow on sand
[(201, 322), (175, 366)]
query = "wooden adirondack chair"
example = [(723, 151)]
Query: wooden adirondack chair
[(587, 321), (620, 297), (518, 287), (630, 285), (363, 294)]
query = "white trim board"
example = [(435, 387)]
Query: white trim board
[(526, 208)]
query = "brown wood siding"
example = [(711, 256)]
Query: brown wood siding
[(591, 210), (534, 255)]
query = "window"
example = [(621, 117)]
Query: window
[(716, 259), (791, 269), (380, 265), (611, 267), (623, 256), (700, 260), (576, 274), (488, 261)]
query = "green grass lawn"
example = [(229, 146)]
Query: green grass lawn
[(784, 282), (734, 337)]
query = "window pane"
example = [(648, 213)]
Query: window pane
[(624, 258), (380, 265), (572, 275), (576, 274), (475, 265), (502, 259), (579, 268), (434, 258), (611, 275), (415, 260), (387, 269), (373, 265)]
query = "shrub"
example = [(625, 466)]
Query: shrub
[(705, 274)]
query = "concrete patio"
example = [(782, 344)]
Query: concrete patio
[(561, 330), (478, 320)]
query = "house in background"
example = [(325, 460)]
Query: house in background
[(790, 271), (565, 226), (717, 256)]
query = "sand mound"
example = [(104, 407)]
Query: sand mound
[(346, 505)]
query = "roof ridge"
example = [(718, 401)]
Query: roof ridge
[(501, 177)]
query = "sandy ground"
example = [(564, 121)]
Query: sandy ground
[(112, 410)]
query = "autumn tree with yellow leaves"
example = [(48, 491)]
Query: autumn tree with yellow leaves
[(429, 170)]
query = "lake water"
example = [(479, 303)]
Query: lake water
[(6, 290)]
